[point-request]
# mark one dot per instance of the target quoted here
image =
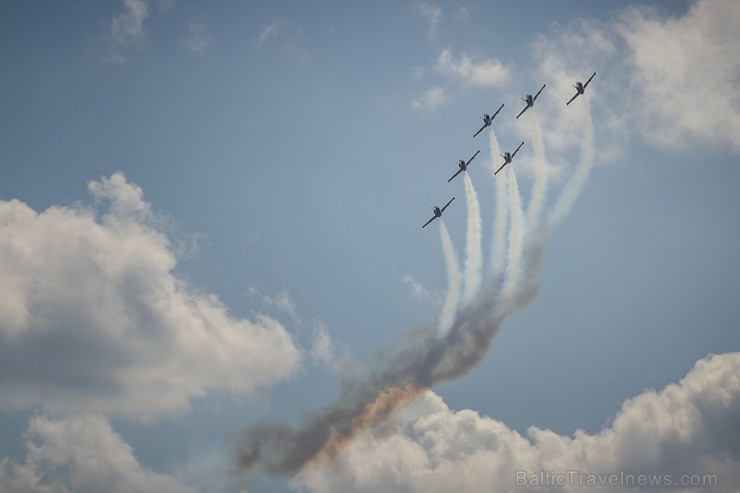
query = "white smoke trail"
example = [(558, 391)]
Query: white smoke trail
[(516, 242), (467, 333), (447, 317), (473, 260), (539, 189), (576, 182), (499, 228)]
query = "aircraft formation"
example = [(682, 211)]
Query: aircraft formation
[(508, 157)]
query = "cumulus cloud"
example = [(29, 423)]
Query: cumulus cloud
[(292, 38), (673, 81), (80, 454), (431, 99), (489, 72), (416, 288), (197, 37), (431, 13), (92, 318), (270, 31), (284, 303), (570, 54), (688, 73), (127, 28), (322, 349), (461, 71), (689, 428)]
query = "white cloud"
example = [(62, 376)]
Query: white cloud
[(292, 38), (489, 72), (672, 81), (463, 71), (127, 28), (80, 454), (687, 428), (431, 13), (431, 99), (92, 318), (197, 38), (282, 302), (270, 31), (565, 56), (322, 349), (417, 289), (687, 73)]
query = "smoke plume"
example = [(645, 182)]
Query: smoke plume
[(516, 241), (447, 315), (428, 359), (539, 188), (575, 184), (498, 254), (473, 260)]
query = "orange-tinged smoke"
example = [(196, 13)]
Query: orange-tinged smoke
[(375, 413)]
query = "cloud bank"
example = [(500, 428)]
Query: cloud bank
[(689, 428), (93, 320), (670, 80), (688, 72), (80, 454), (461, 71)]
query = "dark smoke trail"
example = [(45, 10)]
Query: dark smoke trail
[(427, 361), (280, 449)]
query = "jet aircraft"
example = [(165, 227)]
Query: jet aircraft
[(487, 120), (580, 87), (530, 101), (463, 165), (438, 212), (508, 157)]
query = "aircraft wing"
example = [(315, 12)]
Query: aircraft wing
[(538, 93), (446, 205), (502, 167), (499, 109), (571, 99), (479, 131), (453, 176), (522, 112), (517, 150), (427, 223), (471, 159), (589, 80)]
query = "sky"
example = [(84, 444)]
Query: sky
[(211, 246)]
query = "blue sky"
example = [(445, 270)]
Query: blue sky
[(211, 219)]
